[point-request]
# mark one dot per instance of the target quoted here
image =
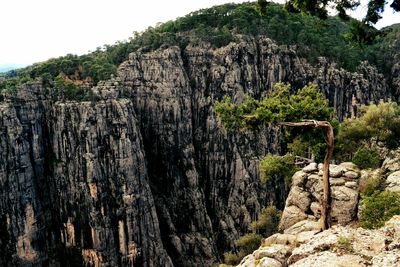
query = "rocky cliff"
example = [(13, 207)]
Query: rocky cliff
[(145, 175)]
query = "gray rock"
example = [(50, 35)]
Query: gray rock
[(337, 181), (303, 226), (283, 239), (299, 178), (351, 175), (392, 162), (344, 204), (330, 259), (393, 182), (277, 251), (352, 185), (336, 171), (316, 209), (312, 167), (349, 166), (299, 198), (290, 216), (268, 262)]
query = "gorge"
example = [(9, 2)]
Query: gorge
[(144, 174)]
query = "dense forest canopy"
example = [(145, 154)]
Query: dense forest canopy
[(319, 8), (220, 25)]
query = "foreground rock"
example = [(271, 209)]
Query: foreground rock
[(306, 191), (338, 246)]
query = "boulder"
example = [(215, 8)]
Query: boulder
[(290, 216), (299, 198), (312, 167), (393, 182), (330, 259)]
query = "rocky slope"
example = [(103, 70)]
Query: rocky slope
[(338, 246), (303, 244), (146, 175)]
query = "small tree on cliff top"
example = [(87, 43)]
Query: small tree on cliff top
[(307, 110)]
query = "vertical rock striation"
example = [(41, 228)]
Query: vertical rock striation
[(74, 186)]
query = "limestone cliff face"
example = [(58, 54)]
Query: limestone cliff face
[(146, 175), (74, 186)]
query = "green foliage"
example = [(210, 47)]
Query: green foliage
[(280, 106), (228, 112), (248, 243), (360, 33), (266, 225), (379, 208), (344, 243), (319, 8), (245, 245), (222, 24), (231, 259), (273, 167), (377, 123), (372, 185), (366, 158), (8, 87), (262, 6), (307, 103), (268, 222), (67, 90)]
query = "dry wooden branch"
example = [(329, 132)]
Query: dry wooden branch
[(325, 202)]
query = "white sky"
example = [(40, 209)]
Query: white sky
[(35, 30)]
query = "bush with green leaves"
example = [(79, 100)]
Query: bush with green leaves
[(379, 208), (380, 123), (268, 222), (366, 158), (275, 168), (265, 226), (245, 245), (372, 185), (308, 103)]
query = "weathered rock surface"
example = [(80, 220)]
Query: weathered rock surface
[(393, 182), (76, 188), (153, 179), (337, 246), (306, 192)]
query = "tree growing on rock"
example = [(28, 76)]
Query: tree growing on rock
[(303, 114)]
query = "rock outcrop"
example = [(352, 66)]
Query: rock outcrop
[(338, 246), (303, 244), (146, 175), (306, 192)]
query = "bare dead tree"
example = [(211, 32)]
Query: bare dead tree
[(325, 202)]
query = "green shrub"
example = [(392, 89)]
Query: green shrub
[(245, 245), (231, 258), (366, 158), (344, 243), (248, 243), (380, 123), (73, 92), (372, 185), (379, 208), (266, 225), (268, 222), (273, 168)]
